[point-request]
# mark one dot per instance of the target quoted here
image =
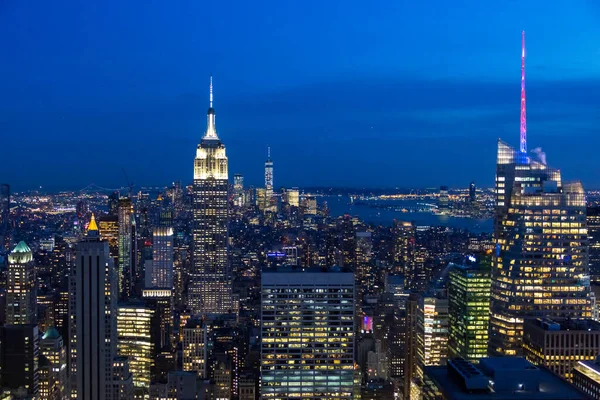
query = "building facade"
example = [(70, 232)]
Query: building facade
[(307, 330), (540, 264), (469, 309), (92, 325), (210, 279), (21, 287), (558, 346)]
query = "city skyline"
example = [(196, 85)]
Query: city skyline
[(438, 107)]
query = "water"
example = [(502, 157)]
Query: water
[(340, 205)]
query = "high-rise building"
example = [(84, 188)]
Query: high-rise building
[(92, 324), (292, 197), (53, 366), (540, 267), (348, 242), (444, 201), (269, 176), (472, 192), (108, 225), (138, 330), (469, 309), (19, 358), (159, 272), (195, 347), (21, 287), (431, 332), (586, 377), (559, 345), (125, 247), (307, 327), (593, 225), (210, 278), (162, 300), (238, 190)]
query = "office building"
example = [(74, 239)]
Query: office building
[(53, 366), (239, 198), (137, 331), (472, 192), (307, 330), (292, 197), (444, 199), (210, 278), (181, 385), (410, 332), (540, 266), (194, 347), (593, 225), (19, 358), (469, 308), (559, 345), (162, 300), (586, 377), (159, 271), (125, 270), (431, 332), (92, 325), (20, 287), (108, 226), (504, 378), (269, 176)]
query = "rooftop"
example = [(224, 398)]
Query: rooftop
[(582, 324), (507, 377)]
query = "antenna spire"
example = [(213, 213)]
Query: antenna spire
[(523, 146), (268, 152), (211, 92)]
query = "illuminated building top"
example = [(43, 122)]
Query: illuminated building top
[(20, 254)]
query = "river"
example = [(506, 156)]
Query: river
[(340, 205)]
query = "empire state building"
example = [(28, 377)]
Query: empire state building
[(210, 280)]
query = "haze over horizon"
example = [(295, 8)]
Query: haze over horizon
[(394, 95)]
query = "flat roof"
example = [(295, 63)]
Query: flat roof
[(551, 387)]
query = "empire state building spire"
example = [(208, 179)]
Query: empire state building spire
[(211, 130), (523, 144)]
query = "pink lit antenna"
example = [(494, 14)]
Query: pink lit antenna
[(523, 108)]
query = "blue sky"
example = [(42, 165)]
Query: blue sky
[(346, 93)]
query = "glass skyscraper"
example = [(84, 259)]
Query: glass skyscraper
[(469, 309), (540, 264), (210, 279)]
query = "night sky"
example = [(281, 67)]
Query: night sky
[(346, 93)]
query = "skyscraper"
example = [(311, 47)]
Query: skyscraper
[(238, 190), (432, 331), (593, 224), (444, 202), (125, 246), (469, 309), (269, 176), (21, 287), (93, 310), (138, 331), (307, 327), (210, 280), (53, 366), (19, 358), (540, 267), (159, 272), (472, 192)]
